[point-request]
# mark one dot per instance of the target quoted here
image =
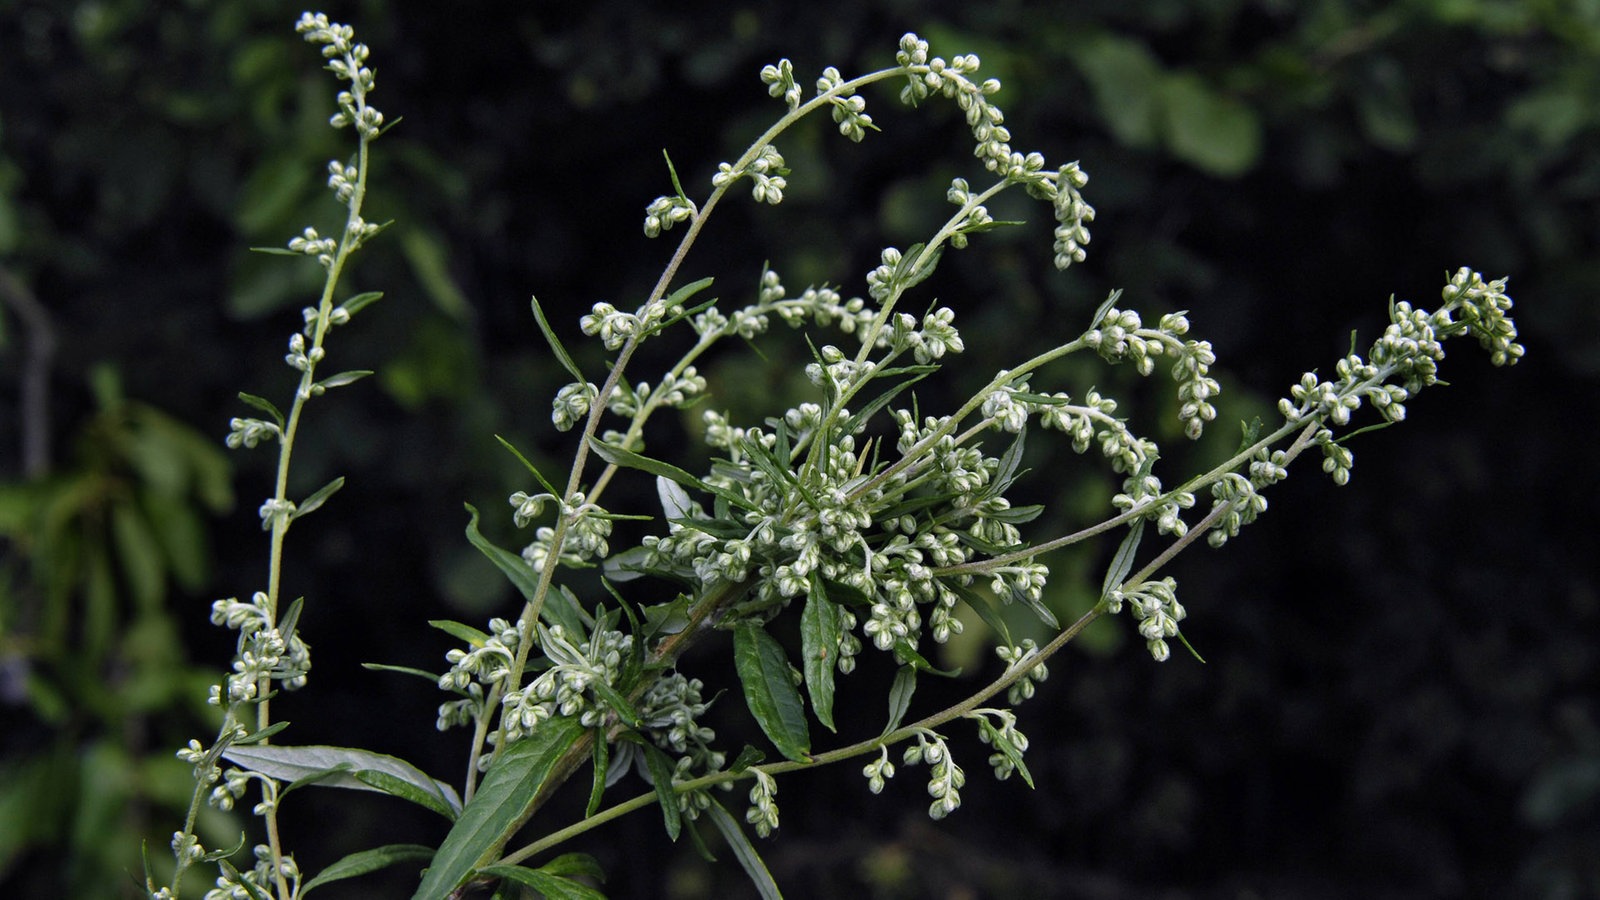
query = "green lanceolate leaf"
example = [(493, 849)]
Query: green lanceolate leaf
[(1105, 307), (502, 804), (631, 460), (461, 631), (556, 347), (1250, 433), (360, 301), (315, 501), (256, 737), (574, 864), (677, 297), (905, 684), (1122, 562), (341, 767), (264, 405), (538, 476), (432, 677), (661, 768), (819, 645), (343, 378), (770, 692), (980, 604), (907, 655), (516, 569), (357, 864), (600, 763), (405, 790), (553, 887), (744, 851)]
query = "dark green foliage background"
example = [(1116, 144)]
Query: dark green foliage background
[(1403, 690)]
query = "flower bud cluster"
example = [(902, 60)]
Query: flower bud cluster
[(1015, 655), (849, 110), (1120, 336), (879, 771), (927, 75), (587, 535), (1008, 742), (1244, 504), (1483, 307), (1093, 421), (1073, 215), (766, 171), (763, 812), (671, 710), (1143, 491), (780, 82), (263, 653), (1154, 605), (339, 315), (977, 218), (945, 778), (676, 391), (246, 432), (312, 244), (665, 212), (347, 61), (1408, 351), (567, 687), (571, 404)]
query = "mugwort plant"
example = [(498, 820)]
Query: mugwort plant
[(853, 516)]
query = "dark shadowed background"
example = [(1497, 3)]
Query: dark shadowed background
[(1402, 693)]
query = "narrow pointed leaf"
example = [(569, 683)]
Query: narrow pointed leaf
[(905, 653), (562, 356), (1250, 432), (1010, 466), (980, 604), (460, 631), (677, 297), (537, 475), (502, 804), (675, 502), (819, 645), (315, 501), (405, 790), (575, 864), (264, 405), (1105, 307), (233, 874), (630, 460), (366, 861), (516, 569), (1122, 562), (744, 851), (601, 762), (553, 887), (291, 763), (343, 378), (673, 171), (404, 670), (905, 684), (361, 301), (661, 774), (256, 737), (770, 692)]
